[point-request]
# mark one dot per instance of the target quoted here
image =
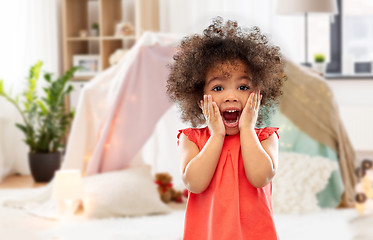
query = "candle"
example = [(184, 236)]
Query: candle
[(68, 190)]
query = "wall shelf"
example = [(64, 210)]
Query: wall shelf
[(78, 15)]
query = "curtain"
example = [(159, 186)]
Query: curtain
[(29, 32)]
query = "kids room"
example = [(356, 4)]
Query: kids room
[(170, 120)]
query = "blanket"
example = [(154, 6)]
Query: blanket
[(342, 224)]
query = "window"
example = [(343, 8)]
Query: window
[(352, 38), (319, 35), (358, 34)]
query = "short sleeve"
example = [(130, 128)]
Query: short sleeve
[(190, 133), (264, 133)]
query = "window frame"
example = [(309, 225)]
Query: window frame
[(335, 64)]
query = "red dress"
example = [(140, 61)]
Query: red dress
[(230, 208)]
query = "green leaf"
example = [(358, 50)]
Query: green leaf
[(27, 106), (69, 89), (44, 110), (35, 70), (319, 57), (48, 77), (23, 128), (2, 87)]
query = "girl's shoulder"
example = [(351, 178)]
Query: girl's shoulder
[(196, 135), (264, 133)]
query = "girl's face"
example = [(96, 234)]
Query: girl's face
[(229, 84)]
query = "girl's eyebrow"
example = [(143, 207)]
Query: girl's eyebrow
[(220, 78), (216, 78), (246, 77)]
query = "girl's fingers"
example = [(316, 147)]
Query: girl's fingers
[(254, 99), (250, 100), (257, 100), (216, 109), (205, 106), (210, 108), (260, 100), (202, 104)]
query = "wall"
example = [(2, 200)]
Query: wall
[(355, 100)]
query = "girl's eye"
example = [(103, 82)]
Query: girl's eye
[(243, 88), (217, 89)]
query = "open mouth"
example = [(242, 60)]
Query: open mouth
[(230, 118)]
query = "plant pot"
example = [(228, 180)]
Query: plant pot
[(43, 165), (94, 32), (320, 67)]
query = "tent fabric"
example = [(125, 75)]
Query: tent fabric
[(119, 108), (309, 103)]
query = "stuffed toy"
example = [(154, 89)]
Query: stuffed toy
[(165, 189), (124, 29), (185, 193), (117, 56)]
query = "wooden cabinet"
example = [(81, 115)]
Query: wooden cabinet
[(78, 17)]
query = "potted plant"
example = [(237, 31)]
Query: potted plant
[(319, 64), (94, 29), (45, 120)]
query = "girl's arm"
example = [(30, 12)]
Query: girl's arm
[(198, 167), (259, 158)]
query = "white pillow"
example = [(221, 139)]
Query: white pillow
[(298, 179), (129, 192)]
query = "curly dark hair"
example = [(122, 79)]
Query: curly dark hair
[(221, 42)]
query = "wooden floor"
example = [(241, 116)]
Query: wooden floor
[(23, 181), (19, 181)]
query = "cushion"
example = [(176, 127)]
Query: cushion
[(296, 140), (298, 179), (129, 192)]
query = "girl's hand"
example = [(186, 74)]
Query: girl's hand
[(212, 115), (250, 112)]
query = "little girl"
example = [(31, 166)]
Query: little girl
[(221, 79)]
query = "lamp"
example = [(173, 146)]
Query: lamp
[(305, 7), (67, 190)]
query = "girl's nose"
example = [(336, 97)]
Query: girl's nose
[(231, 97)]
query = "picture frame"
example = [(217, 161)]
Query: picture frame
[(89, 65)]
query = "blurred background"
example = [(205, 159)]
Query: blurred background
[(329, 48), (96, 34)]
